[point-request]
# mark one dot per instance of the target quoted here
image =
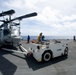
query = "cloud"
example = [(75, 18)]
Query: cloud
[(49, 15), (55, 17), (16, 4), (21, 4)]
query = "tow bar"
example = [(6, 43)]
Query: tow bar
[(23, 51)]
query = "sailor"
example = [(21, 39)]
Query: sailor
[(40, 38), (28, 39)]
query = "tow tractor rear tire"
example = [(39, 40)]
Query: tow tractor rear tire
[(66, 51), (46, 56)]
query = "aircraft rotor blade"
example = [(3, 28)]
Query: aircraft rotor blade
[(25, 16), (9, 12)]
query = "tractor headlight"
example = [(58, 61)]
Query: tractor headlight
[(38, 47)]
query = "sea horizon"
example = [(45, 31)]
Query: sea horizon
[(49, 37)]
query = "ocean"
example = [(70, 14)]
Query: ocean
[(49, 37)]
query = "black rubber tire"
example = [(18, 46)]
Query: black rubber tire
[(46, 56), (66, 51)]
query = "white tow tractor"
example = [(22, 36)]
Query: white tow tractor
[(46, 51)]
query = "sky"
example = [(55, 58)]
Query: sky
[(54, 17)]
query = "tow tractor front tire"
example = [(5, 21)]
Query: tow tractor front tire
[(46, 56)]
